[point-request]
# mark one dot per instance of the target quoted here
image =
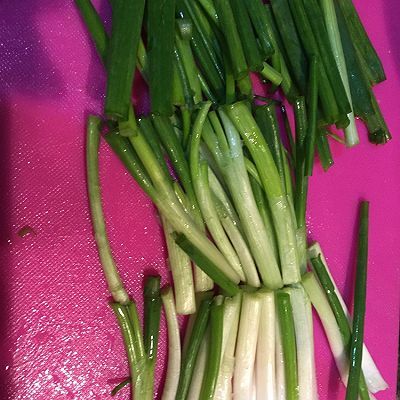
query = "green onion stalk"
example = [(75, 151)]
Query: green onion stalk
[(288, 339), (265, 357), (371, 372), (282, 216), (246, 345), (174, 346), (111, 274), (230, 325), (328, 8)]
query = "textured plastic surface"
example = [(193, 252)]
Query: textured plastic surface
[(58, 337)]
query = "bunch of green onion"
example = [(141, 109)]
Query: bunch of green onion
[(231, 192)]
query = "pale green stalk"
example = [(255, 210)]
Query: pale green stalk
[(174, 346), (243, 251), (108, 264), (284, 224), (265, 358), (245, 354), (202, 281), (223, 390), (210, 215), (301, 239), (252, 170), (181, 269), (242, 195), (220, 194), (302, 316), (331, 328)]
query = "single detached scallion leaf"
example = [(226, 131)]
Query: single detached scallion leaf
[(127, 19), (357, 336), (160, 37)]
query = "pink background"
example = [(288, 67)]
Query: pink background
[(58, 337)]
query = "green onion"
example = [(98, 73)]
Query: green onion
[(174, 346), (326, 94), (259, 20), (249, 42), (271, 74), (175, 151), (168, 204), (327, 284), (328, 8), (317, 22), (239, 184), (291, 41), (287, 330), (222, 279), (189, 359), (152, 311), (312, 116), (280, 209), (131, 332), (324, 150), (230, 330), (242, 249), (279, 361), (121, 57), (95, 26), (231, 34), (246, 345), (186, 55), (207, 30), (364, 102), (220, 195), (321, 305), (132, 163), (230, 91), (181, 269), (210, 77), (303, 326), (373, 377), (279, 60), (265, 357), (204, 42), (149, 131), (360, 292), (289, 134), (300, 115), (267, 121), (110, 270), (214, 225), (160, 37), (199, 368), (181, 91), (128, 127), (337, 309), (245, 87), (363, 45), (214, 350), (208, 6), (120, 386)]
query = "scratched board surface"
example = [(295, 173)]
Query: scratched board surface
[(58, 337)]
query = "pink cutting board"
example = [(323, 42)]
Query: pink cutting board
[(58, 337)]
